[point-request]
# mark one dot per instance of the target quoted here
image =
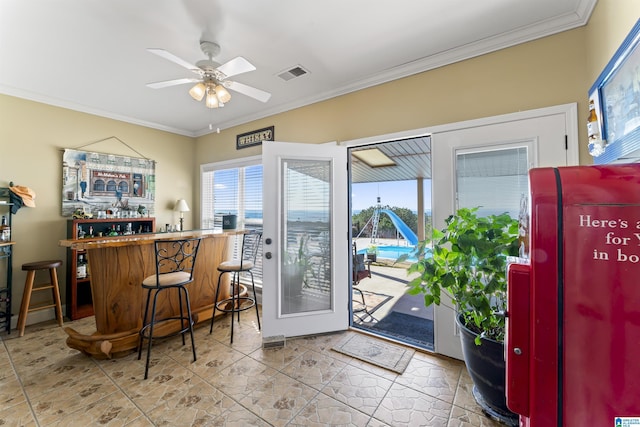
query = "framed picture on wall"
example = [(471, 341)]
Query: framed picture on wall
[(616, 97), (107, 185)]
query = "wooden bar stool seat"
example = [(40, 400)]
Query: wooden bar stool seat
[(31, 268)]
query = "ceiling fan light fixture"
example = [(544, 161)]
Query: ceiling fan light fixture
[(211, 101), (198, 91), (223, 94)]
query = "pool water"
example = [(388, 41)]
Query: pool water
[(393, 252)]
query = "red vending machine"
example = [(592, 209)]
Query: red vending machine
[(573, 320)]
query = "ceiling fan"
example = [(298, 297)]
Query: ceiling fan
[(212, 83)]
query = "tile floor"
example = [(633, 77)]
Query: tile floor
[(45, 383)]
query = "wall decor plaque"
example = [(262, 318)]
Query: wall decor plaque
[(255, 137)]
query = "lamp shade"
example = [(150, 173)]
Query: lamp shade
[(181, 206), (223, 94), (211, 101), (197, 92)]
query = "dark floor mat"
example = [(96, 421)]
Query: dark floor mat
[(407, 328)]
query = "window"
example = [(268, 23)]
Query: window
[(233, 188), (493, 179)]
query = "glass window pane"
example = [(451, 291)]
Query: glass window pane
[(236, 191), (493, 180), (306, 245)]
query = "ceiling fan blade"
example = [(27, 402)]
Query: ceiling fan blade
[(171, 57), (167, 83), (253, 92), (236, 66)]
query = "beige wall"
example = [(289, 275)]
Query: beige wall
[(541, 73), (550, 71), (545, 72), (609, 24), (554, 70), (32, 136)]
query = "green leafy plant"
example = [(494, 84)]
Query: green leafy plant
[(468, 259), (299, 259), (300, 255)]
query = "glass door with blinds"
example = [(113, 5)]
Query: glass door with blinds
[(485, 163), (305, 286)]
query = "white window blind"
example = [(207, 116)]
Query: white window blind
[(233, 188), (493, 180)]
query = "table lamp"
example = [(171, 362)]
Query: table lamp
[(182, 207)]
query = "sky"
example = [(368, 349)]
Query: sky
[(402, 194)]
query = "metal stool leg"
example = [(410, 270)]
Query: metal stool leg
[(144, 323), (255, 299), (215, 301), (233, 303), (150, 338), (190, 319)]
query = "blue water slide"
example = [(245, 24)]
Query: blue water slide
[(403, 228)]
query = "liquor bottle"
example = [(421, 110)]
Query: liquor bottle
[(5, 230), (593, 128), (81, 267), (596, 144), (81, 232)]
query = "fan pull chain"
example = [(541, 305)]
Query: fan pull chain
[(211, 124)]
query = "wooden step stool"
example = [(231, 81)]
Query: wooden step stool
[(31, 268)]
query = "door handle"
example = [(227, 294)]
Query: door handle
[(267, 255)]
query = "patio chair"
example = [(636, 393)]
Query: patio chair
[(361, 270)]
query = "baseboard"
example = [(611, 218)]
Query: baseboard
[(39, 316), (50, 314)]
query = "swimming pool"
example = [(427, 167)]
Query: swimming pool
[(393, 252)]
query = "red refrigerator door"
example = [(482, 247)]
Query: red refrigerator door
[(601, 297), (584, 297), (544, 252), (517, 339)]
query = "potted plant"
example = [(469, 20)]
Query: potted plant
[(468, 260), (295, 267), (372, 253)]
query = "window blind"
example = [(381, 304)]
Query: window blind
[(493, 180)]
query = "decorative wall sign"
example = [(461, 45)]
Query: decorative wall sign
[(255, 137), (616, 95), (105, 185)]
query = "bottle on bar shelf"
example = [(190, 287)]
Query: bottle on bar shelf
[(5, 230)]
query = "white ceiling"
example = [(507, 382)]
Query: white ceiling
[(90, 55)]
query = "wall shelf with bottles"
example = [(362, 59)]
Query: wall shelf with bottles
[(6, 253), (79, 299)]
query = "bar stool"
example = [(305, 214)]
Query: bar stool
[(175, 262), (31, 268), (246, 261)]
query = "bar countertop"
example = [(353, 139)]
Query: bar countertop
[(119, 264), (141, 239)]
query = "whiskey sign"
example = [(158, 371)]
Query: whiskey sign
[(255, 137)]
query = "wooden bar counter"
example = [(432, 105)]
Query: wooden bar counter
[(118, 266)]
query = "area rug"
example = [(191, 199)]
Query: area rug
[(379, 353), (407, 328)]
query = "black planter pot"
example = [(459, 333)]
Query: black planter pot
[(486, 366)]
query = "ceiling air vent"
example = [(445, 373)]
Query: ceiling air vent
[(292, 73)]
